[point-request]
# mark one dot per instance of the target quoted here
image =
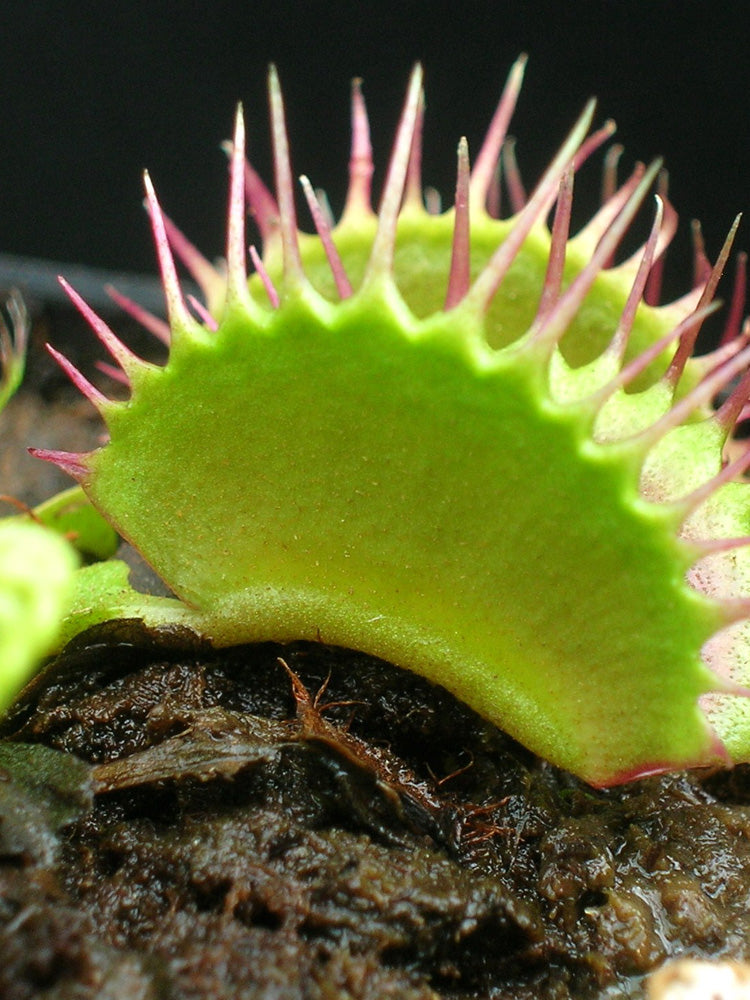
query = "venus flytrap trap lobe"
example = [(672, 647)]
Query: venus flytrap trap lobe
[(460, 443)]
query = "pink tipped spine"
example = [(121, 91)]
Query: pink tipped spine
[(598, 225), (494, 201), (460, 277), (271, 292), (609, 171), (482, 291), (73, 463), (384, 244), (484, 165), (619, 342), (124, 357), (590, 145), (687, 345), (558, 245), (152, 323), (666, 235), (737, 305), (179, 316), (413, 187), (721, 262), (731, 409), (260, 203), (202, 313), (116, 374), (701, 263), (322, 225), (709, 546), (551, 329), (513, 181), (652, 293), (641, 362), (86, 388), (236, 265), (196, 264), (359, 193), (702, 394), (293, 271)]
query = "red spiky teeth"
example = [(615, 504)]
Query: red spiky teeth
[(71, 462)]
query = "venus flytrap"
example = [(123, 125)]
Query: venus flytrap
[(464, 444)]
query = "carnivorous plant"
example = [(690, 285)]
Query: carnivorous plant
[(471, 445)]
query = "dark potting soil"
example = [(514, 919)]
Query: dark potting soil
[(182, 824), (306, 822)]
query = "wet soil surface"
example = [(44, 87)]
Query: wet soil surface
[(306, 822)]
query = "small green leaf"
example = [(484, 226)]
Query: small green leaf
[(70, 513), (102, 592), (36, 578)]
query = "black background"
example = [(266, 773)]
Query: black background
[(93, 92)]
